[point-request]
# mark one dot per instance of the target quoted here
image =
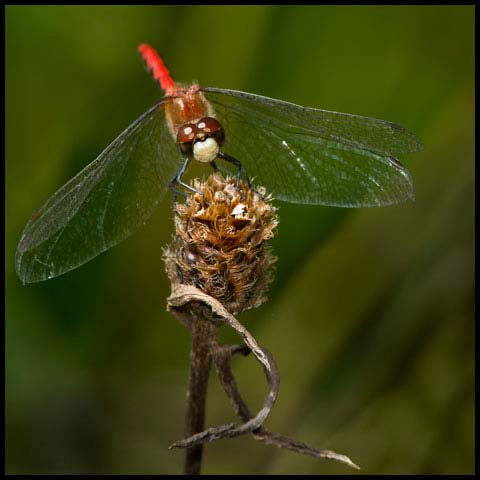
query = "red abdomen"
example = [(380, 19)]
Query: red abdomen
[(182, 104)]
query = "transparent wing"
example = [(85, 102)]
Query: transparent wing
[(103, 204), (306, 155)]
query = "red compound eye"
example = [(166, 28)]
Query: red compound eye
[(211, 128), (186, 133), (209, 125)]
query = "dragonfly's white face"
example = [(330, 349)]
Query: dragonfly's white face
[(205, 151), (201, 139)]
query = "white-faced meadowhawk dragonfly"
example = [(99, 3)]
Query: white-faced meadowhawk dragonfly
[(300, 155)]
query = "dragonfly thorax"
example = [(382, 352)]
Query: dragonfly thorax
[(201, 139)]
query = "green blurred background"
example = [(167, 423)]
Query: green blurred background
[(371, 315)]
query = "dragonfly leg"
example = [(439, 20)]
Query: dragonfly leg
[(237, 163), (174, 182), (214, 166), (177, 181)]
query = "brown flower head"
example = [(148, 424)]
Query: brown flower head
[(221, 242)]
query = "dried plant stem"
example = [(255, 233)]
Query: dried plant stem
[(221, 356), (191, 305), (200, 358), (203, 314)]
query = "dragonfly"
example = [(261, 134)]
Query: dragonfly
[(299, 154)]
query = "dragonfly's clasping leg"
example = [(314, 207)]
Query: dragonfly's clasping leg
[(177, 180), (238, 164)]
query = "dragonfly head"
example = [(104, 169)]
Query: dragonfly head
[(202, 139)]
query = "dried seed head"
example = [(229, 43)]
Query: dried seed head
[(221, 243)]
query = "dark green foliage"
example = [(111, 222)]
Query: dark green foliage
[(370, 317)]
